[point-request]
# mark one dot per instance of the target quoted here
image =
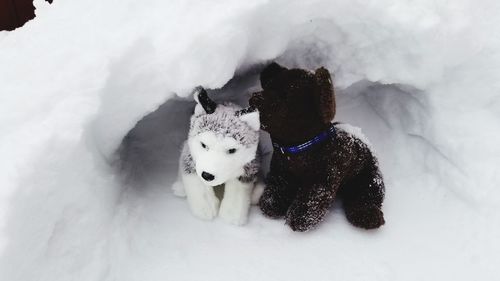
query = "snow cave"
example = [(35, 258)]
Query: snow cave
[(94, 108)]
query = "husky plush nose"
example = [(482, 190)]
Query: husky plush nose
[(207, 176)]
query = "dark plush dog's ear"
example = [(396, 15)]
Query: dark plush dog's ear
[(269, 73), (325, 95), (204, 103)]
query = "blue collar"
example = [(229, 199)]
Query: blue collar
[(305, 146)]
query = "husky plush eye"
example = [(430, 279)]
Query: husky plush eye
[(204, 145), (231, 151)]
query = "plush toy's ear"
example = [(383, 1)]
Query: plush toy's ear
[(250, 115), (325, 95), (204, 103), (269, 73)]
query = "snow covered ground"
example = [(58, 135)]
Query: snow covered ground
[(84, 187)]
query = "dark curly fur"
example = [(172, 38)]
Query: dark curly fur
[(296, 105)]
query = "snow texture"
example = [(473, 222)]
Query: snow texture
[(94, 107)]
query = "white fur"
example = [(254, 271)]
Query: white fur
[(236, 202), (201, 198), (198, 110), (252, 119)]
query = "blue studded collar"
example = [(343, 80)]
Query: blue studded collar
[(308, 144)]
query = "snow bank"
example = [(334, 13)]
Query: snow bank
[(421, 79)]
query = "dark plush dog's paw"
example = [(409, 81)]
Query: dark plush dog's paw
[(272, 205), (366, 217), (298, 223), (303, 217)]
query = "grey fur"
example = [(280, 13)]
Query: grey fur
[(250, 171), (225, 122), (187, 163)]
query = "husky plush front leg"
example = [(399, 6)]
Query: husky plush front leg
[(201, 198), (236, 202)]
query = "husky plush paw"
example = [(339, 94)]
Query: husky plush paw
[(233, 215), (236, 202), (205, 208)]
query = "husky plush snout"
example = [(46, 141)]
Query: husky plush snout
[(221, 149)]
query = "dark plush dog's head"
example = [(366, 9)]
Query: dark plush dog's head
[(295, 104)]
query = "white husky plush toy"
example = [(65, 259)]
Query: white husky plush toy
[(221, 149)]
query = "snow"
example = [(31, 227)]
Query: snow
[(419, 78)]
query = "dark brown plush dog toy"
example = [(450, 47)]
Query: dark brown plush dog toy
[(314, 161)]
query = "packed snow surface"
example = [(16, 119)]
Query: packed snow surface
[(95, 100)]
